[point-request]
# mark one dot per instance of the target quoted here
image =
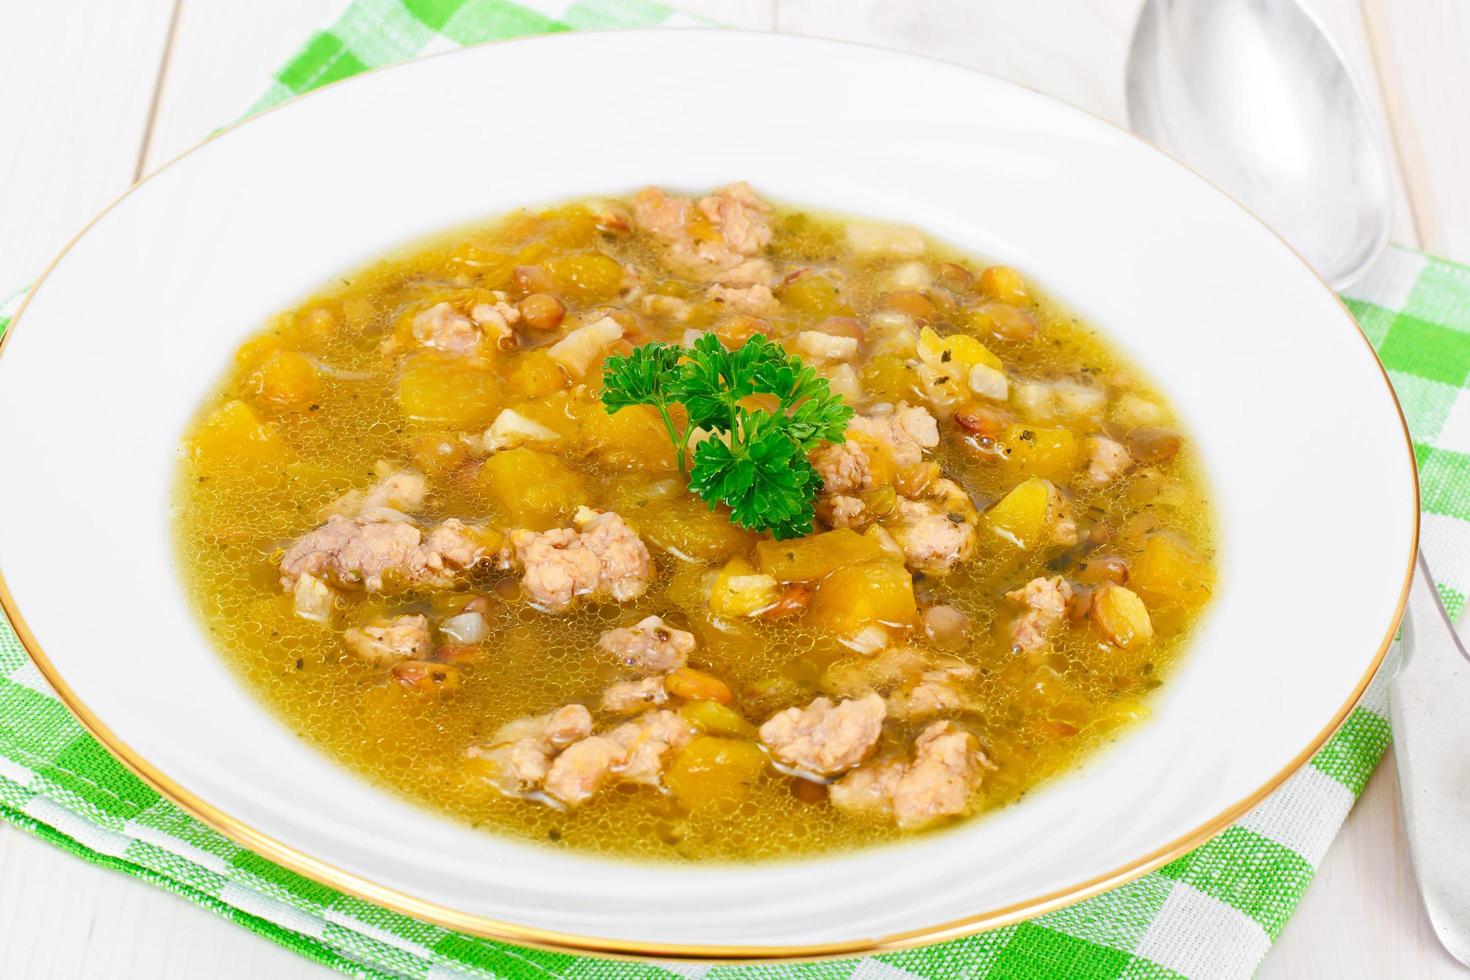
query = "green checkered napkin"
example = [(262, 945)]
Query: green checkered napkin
[(1212, 913)]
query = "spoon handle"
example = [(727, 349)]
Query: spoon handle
[(1429, 701)]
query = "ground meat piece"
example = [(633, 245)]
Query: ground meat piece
[(661, 215), (1107, 459), (938, 532), (443, 327), (840, 510), (883, 672), (400, 638), (495, 321), (667, 306), (739, 219), (496, 314), (650, 742), (1044, 601), (757, 300), (1063, 520), (567, 724), (583, 769), (934, 692), (635, 751), (946, 769), (938, 782), (374, 554), (914, 683), (651, 645), (825, 738), (844, 467), (749, 273), (869, 789), (908, 430), (399, 491), (601, 557), (905, 433), (456, 543), (742, 218), (631, 697), (520, 752), (933, 527)]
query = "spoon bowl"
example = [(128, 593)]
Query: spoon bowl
[(1253, 95)]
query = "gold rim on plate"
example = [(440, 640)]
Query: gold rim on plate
[(547, 939)]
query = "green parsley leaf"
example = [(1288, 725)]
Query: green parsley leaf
[(639, 378), (764, 477), (755, 461), (643, 378), (713, 380)]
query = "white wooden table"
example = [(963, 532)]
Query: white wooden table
[(93, 94)]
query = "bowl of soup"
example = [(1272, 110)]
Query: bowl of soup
[(837, 504)]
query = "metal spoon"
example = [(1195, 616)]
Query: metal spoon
[(1255, 96)]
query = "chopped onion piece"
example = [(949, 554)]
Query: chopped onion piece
[(885, 540), (826, 346), (908, 275), (892, 321), (869, 639), (743, 594), (511, 428), (313, 599), (1033, 398), (989, 382), (340, 374), (844, 381), (578, 349), (1076, 399), (1132, 410), (889, 240), (465, 628)]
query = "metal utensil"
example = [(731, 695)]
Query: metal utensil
[(1254, 95), (1429, 699)]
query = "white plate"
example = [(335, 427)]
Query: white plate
[(1302, 438)]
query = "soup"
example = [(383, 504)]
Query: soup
[(694, 528)]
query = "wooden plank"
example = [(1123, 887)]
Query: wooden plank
[(1421, 47), (225, 54), (1362, 916), (223, 58), (76, 83), (62, 918), (1072, 50)]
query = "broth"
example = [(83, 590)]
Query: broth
[(344, 389)]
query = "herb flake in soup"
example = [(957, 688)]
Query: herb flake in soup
[(694, 528)]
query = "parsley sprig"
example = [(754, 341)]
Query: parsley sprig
[(755, 459)]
